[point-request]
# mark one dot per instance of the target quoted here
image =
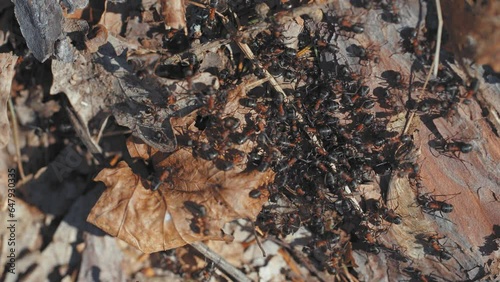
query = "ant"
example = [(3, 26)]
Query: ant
[(379, 210), (471, 90), (416, 275), (388, 214), (397, 253), (369, 237), (346, 25), (391, 12), (408, 168), (200, 221), (394, 80), (438, 248), (430, 205), (368, 54), (455, 148)]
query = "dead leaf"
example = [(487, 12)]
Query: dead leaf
[(174, 13), (192, 205), (7, 64)]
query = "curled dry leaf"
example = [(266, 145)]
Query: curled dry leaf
[(97, 37), (192, 204)]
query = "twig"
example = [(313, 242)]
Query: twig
[(292, 264), (412, 114), (438, 39), (299, 257), (220, 262), (15, 134), (101, 131), (249, 54), (257, 239)]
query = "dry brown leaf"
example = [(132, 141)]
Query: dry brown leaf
[(165, 219), (7, 64), (174, 13)]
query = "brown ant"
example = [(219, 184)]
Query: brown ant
[(394, 80), (391, 12), (397, 253), (366, 54), (408, 168), (430, 205), (417, 275), (379, 210), (438, 248), (450, 149), (369, 237), (471, 90), (200, 222), (345, 24)]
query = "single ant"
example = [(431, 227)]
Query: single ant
[(368, 54), (391, 12), (430, 205), (397, 253), (347, 25), (471, 90), (455, 148), (416, 275), (394, 80), (438, 248)]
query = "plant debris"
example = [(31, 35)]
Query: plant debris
[(336, 138)]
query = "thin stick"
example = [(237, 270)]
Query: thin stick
[(15, 134), (220, 262), (299, 256), (256, 83), (438, 39), (257, 239), (412, 114), (249, 54), (101, 131)]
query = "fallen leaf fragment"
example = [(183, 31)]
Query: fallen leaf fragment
[(174, 13), (7, 64), (190, 206)]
